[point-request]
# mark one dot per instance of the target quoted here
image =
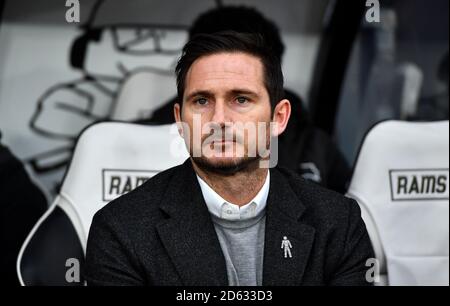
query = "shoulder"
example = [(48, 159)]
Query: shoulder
[(140, 203), (322, 205)]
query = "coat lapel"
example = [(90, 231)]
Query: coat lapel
[(283, 213), (189, 235)]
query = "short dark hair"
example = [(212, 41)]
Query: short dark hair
[(242, 19), (229, 41)]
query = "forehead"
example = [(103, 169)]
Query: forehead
[(226, 69)]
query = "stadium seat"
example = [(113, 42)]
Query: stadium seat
[(401, 181), (141, 93), (110, 159)]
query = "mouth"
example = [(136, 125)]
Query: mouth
[(222, 141)]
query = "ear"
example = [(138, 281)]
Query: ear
[(177, 115), (281, 115)]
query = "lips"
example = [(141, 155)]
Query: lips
[(222, 141), (228, 140)]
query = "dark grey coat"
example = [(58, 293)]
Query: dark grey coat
[(162, 234)]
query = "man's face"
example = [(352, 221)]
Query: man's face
[(227, 105)]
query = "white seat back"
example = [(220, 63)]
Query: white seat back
[(110, 159), (141, 94), (401, 181)]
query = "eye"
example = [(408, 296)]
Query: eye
[(241, 100), (201, 101)]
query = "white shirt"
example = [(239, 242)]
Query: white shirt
[(220, 208)]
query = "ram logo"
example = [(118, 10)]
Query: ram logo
[(118, 182), (419, 184)]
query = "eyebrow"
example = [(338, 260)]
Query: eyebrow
[(209, 94), (198, 93), (244, 92)]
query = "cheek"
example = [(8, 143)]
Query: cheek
[(198, 124), (263, 112), (262, 116), (192, 114), (186, 123), (268, 113), (263, 126)]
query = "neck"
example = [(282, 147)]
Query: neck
[(238, 188)]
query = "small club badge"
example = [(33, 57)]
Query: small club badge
[(287, 246)]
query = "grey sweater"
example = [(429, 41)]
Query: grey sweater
[(242, 243)]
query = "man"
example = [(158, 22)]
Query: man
[(304, 148), (221, 217)]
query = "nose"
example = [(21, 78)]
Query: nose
[(220, 113)]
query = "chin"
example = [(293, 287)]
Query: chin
[(224, 165), (224, 161)]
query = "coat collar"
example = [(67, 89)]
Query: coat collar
[(189, 235), (283, 219), (217, 205), (191, 241)]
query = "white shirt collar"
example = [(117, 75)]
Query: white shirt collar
[(220, 208)]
